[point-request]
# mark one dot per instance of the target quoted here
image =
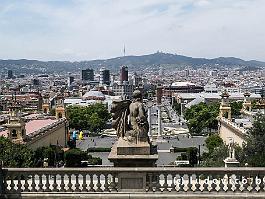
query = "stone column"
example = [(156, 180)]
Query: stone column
[(159, 130), (149, 121)]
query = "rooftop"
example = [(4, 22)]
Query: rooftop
[(180, 84), (32, 126)]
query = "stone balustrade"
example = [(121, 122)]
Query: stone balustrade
[(233, 125), (114, 180)]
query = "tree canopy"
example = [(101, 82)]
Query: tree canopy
[(213, 141), (15, 155), (236, 108), (93, 117), (254, 148), (202, 116)]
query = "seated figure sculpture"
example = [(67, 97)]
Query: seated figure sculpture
[(130, 120)]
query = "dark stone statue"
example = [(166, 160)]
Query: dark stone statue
[(130, 120)]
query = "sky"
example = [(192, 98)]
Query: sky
[(76, 30)]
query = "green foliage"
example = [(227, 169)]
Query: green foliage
[(52, 111), (190, 154), (15, 155), (183, 156), (54, 154), (235, 108), (73, 158), (254, 149), (202, 116), (213, 141), (177, 149), (98, 149), (254, 104), (95, 161), (216, 157), (218, 151), (93, 117), (177, 107)]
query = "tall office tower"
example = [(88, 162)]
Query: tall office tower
[(104, 77), (88, 75), (70, 80), (187, 72), (9, 74), (159, 94), (137, 80), (35, 82), (124, 74)]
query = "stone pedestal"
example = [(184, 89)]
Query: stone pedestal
[(126, 154), (231, 162)]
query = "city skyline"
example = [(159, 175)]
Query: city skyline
[(88, 30)]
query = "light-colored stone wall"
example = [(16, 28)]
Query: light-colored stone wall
[(227, 130), (54, 136)]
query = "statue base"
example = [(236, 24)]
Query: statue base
[(231, 162), (126, 154)]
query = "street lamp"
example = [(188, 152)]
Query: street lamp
[(199, 162), (149, 106)]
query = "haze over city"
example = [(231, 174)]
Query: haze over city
[(85, 30)]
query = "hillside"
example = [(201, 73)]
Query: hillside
[(135, 62)]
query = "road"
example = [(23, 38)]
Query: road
[(166, 142), (163, 147)]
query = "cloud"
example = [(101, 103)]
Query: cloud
[(86, 29)]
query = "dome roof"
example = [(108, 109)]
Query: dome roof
[(94, 94), (180, 84)]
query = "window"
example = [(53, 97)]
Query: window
[(14, 133)]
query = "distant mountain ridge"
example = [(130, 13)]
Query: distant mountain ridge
[(136, 62)]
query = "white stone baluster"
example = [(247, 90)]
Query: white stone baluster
[(91, 184), (106, 185), (26, 184), (40, 183), (165, 185), (33, 184), (62, 185), (70, 184), (173, 183), (77, 184), (19, 184), (181, 184), (47, 184), (84, 185), (54, 184), (12, 184), (98, 183)]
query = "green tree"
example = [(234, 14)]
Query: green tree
[(202, 116), (93, 117), (177, 107), (192, 155), (235, 108), (213, 141), (254, 149), (73, 157), (54, 154), (216, 157), (15, 155)]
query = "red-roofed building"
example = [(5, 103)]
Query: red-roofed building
[(37, 132)]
